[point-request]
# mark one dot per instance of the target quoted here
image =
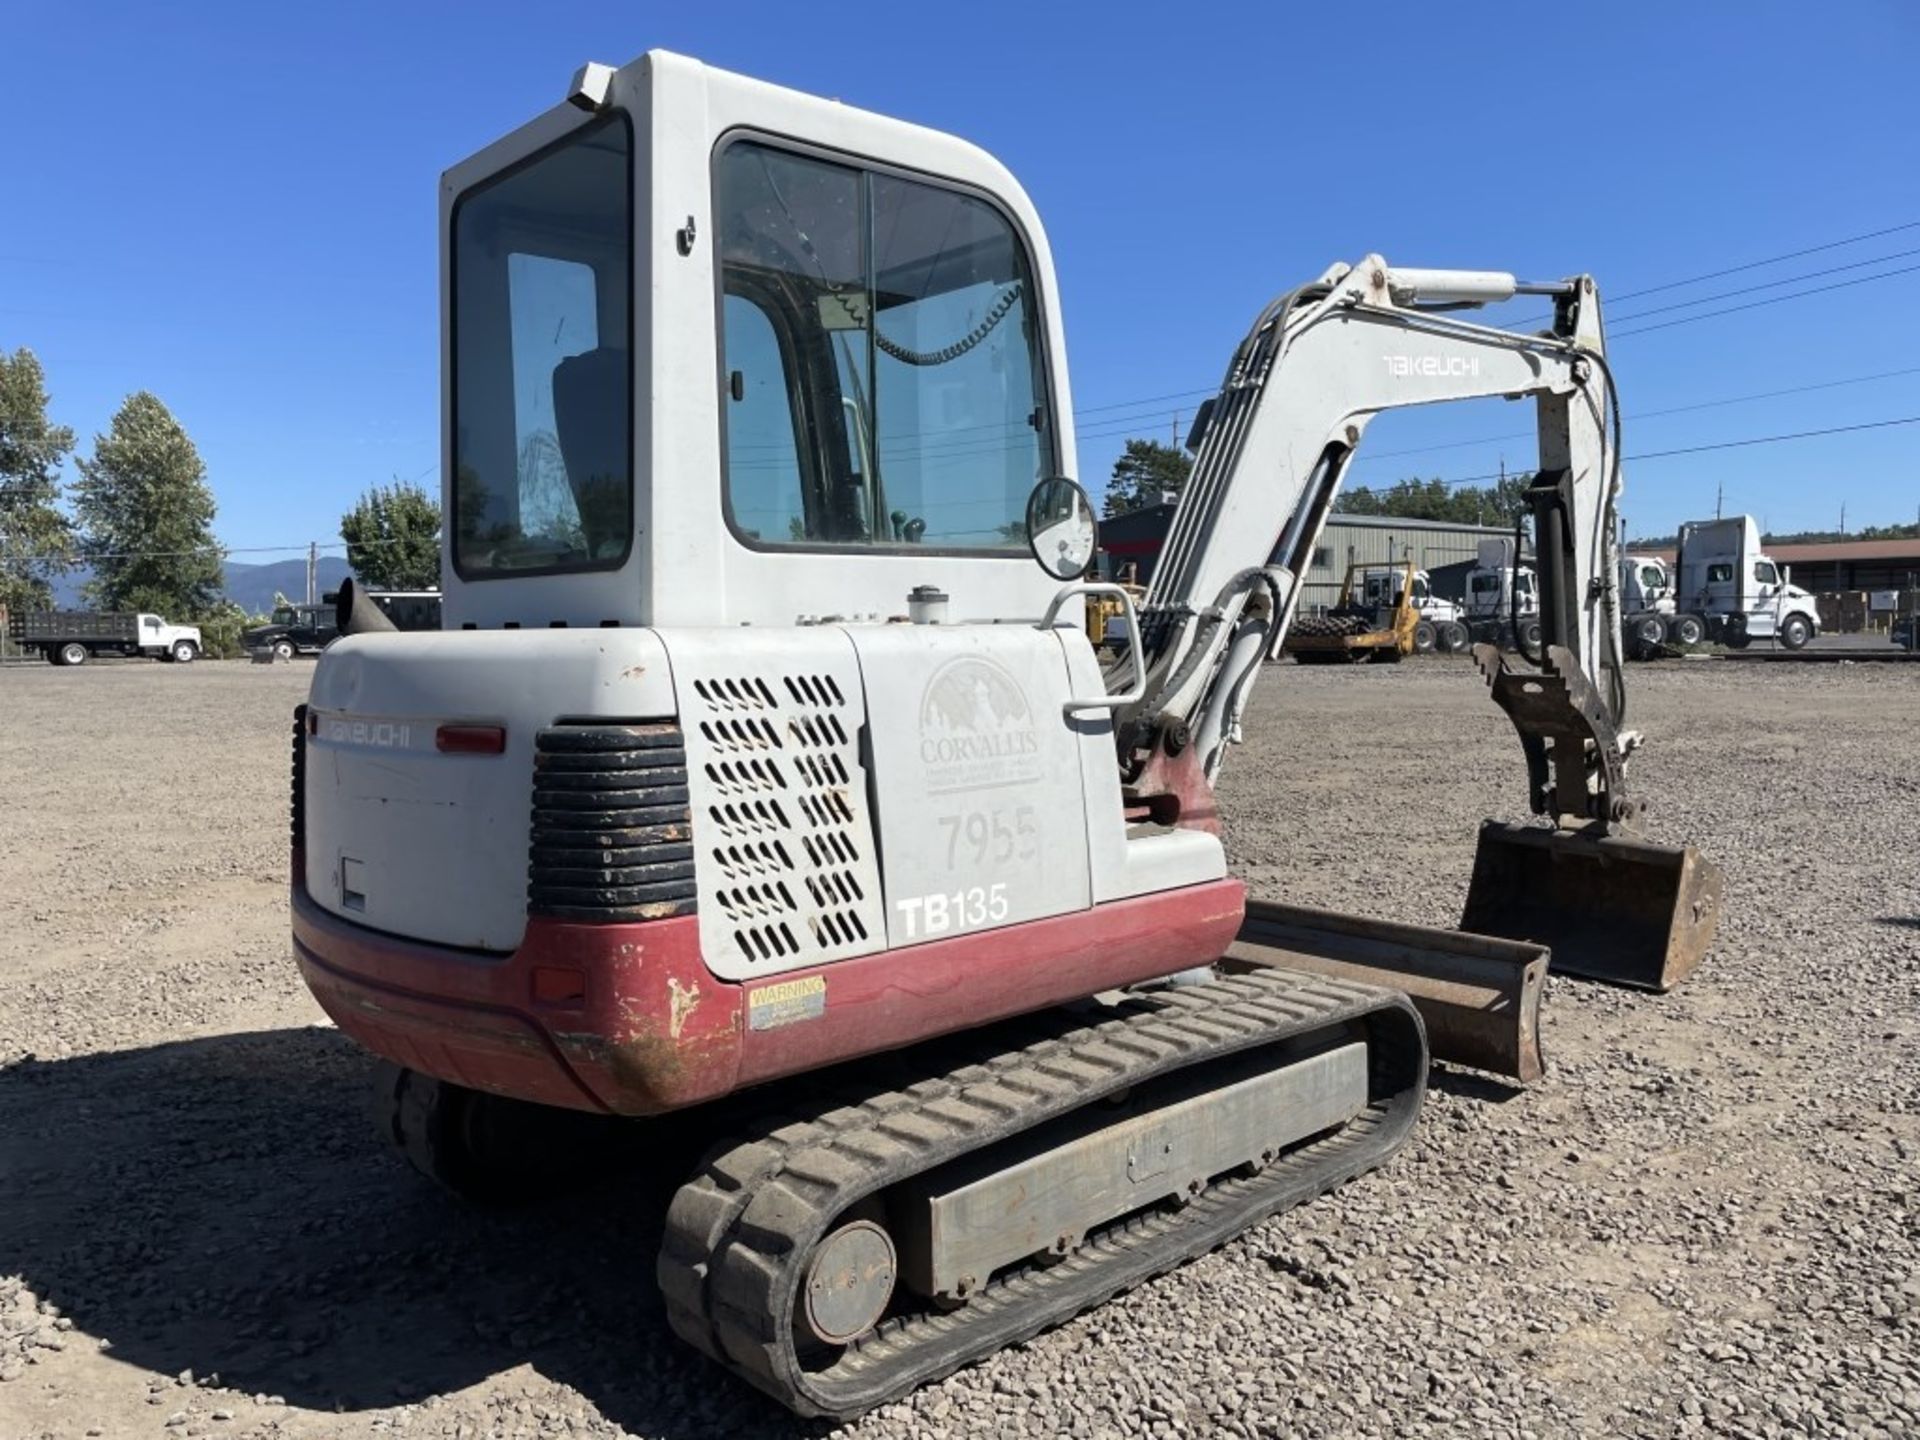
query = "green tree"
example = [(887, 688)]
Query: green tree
[(1144, 473), (31, 453), (1494, 504), (393, 538), (146, 516)]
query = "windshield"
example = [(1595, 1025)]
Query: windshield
[(882, 378), (542, 377)]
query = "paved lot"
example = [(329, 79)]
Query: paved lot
[(1704, 1221)]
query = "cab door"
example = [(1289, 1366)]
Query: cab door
[(1763, 599)]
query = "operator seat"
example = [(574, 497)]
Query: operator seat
[(591, 394)]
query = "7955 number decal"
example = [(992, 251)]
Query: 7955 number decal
[(981, 837)]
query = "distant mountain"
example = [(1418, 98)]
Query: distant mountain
[(251, 586)]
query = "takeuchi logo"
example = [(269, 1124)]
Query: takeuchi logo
[(976, 727)]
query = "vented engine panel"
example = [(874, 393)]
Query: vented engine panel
[(783, 841), (609, 835)]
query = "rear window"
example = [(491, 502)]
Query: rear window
[(542, 361)]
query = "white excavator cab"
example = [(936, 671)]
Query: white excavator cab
[(717, 353)]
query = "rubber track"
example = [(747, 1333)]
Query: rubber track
[(739, 1235)]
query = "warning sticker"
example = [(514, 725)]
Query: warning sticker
[(771, 1006)]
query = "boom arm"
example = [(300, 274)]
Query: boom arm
[(1317, 366)]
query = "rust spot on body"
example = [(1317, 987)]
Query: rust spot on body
[(681, 1003)]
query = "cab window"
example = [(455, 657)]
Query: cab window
[(542, 376), (882, 373), (1764, 572), (1719, 574)]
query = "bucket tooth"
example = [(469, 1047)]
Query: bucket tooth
[(1609, 907)]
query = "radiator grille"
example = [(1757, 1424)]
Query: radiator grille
[(786, 844), (611, 824)]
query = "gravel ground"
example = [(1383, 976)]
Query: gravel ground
[(1704, 1221)]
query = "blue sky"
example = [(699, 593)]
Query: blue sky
[(234, 206)]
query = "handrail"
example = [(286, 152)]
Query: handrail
[(1104, 702)]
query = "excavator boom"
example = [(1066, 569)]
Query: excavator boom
[(1273, 447)]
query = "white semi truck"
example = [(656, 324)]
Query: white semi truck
[(1503, 599), (1723, 588)]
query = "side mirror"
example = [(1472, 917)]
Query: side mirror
[(1061, 528)]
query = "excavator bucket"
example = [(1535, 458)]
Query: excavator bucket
[(1608, 907)]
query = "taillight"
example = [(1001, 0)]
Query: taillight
[(470, 739)]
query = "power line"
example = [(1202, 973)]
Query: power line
[(1456, 481), (1459, 480), (1770, 260), (974, 448), (216, 550), (1642, 415), (1661, 288), (988, 447), (985, 446), (1767, 285), (1771, 300)]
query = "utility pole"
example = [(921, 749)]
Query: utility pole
[(1176, 429), (1843, 517), (313, 569), (1719, 494)]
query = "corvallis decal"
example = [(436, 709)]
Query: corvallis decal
[(976, 728)]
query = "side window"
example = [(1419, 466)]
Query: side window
[(1764, 572), (1719, 574), (881, 373), (1322, 558)]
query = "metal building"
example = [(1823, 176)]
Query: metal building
[(1442, 548)]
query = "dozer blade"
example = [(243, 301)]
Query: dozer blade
[(1609, 907), (1479, 995)]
